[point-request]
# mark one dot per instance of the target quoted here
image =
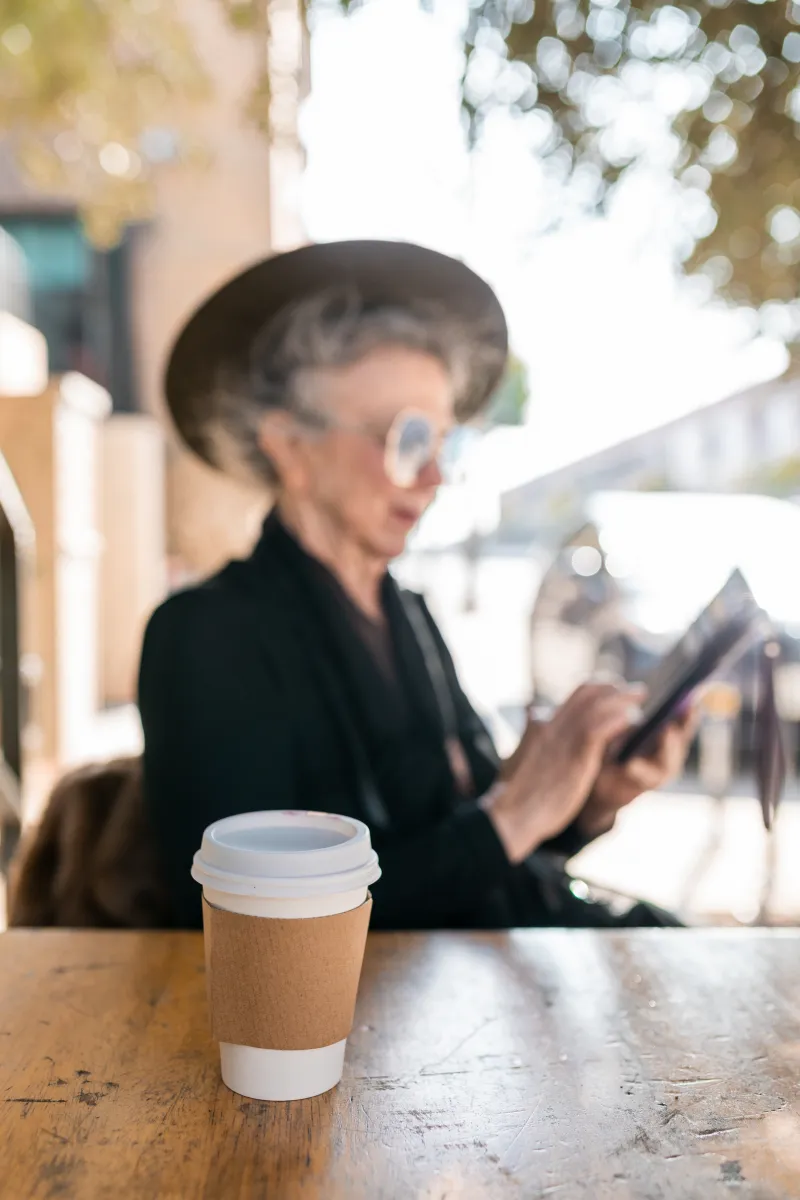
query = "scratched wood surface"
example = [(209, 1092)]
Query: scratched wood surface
[(656, 1064)]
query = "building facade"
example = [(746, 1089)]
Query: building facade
[(747, 442), (112, 315)]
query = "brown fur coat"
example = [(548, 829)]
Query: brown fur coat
[(91, 861)]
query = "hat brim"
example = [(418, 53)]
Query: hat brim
[(215, 343)]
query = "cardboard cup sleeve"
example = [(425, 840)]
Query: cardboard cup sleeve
[(283, 984)]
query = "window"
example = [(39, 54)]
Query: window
[(14, 291), (79, 299)]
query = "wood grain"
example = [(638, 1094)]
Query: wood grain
[(655, 1065)]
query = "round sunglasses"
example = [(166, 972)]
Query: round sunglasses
[(410, 444)]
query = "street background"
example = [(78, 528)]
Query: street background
[(710, 860)]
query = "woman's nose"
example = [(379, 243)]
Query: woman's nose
[(431, 475)]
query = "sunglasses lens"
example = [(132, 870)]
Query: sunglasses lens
[(409, 448)]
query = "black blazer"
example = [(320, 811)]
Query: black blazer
[(255, 693)]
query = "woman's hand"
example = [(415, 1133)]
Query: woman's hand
[(618, 785), (546, 782), (533, 730)]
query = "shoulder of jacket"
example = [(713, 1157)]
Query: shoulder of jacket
[(194, 604), (197, 599), (225, 601)]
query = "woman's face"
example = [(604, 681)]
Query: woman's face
[(342, 469)]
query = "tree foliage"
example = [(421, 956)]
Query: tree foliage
[(510, 401), (84, 88), (709, 90)]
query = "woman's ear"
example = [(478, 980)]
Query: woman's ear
[(281, 441)]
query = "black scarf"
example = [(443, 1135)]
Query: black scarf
[(394, 728)]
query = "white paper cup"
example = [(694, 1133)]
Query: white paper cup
[(285, 864)]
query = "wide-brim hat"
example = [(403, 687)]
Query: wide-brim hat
[(216, 342)]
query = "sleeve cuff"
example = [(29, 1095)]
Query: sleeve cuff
[(567, 843), (484, 847)]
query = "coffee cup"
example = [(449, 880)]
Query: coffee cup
[(285, 913)]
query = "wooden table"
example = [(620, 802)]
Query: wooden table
[(651, 1065)]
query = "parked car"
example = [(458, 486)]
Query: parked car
[(641, 567)]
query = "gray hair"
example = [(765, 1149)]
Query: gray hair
[(334, 328)]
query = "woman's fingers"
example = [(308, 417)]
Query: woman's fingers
[(673, 744), (597, 707), (589, 693), (667, 760), (643, 775), (604, 715), (547, 781), (530, 736)]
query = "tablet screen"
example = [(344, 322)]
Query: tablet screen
[(723, 632)]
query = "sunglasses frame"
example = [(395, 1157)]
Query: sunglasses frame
[(389, 441)]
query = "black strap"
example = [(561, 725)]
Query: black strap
[(433, 663), (376, 812)]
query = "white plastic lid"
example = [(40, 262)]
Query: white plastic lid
[(286, 853)]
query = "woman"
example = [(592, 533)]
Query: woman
[(303, 677)]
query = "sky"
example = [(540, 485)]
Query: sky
[(613, 341)]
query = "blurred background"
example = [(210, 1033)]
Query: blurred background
[(625, 174)]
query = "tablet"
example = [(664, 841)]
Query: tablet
[(725, 630)]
